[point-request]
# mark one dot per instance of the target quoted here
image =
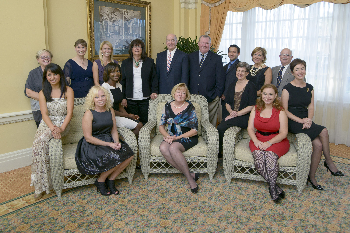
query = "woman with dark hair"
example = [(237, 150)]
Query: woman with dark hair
[(139, 80), (56, 105), (34, 83), (240, 100), (298, 101), (111, 76), (105, 57), (101, 151), (78, 71), (269, 142), (259, 73)]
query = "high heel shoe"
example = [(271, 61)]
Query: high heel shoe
[(318, 187), (337, 173), (101, 187), (111, 185), (196, 176), (195, 190), (282, 195)]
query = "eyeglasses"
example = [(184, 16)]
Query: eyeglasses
[(43, 58), (137, 46), (284, 55)]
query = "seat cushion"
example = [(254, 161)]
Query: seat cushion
[(160, 109), (198, 150), (69, 156), (243, 153)]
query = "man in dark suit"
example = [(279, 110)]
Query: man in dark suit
[(172, 66), (230, 69), (282, 75), (207, 76)]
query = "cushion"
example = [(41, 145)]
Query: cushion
[(160, 109), (198, 150), (69, 156), (243, 153), (75, 130)]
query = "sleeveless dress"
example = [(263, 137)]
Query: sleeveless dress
[(40, 178), (94, 159), (259, 78), (181, 123), (101, 69), (81, 80), (299, 100), (271, 124)]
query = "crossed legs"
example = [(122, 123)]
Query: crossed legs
[(173, 154)]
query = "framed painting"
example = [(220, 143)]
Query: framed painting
[(119, 22)]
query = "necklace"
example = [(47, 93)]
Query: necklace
[(180, 106), (254, 71), (137, 63)]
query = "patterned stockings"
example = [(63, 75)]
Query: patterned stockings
[(267, 166)]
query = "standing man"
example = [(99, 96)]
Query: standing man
[(230, 69), (207, 76), (172, 66), (282, 75)]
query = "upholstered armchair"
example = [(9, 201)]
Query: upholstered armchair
[(64, 172), (201, 158), (238, 160)]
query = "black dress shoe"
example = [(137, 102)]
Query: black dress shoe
[(196, 176), (102, 188), (337, 173), (277, 200), (195, 190), (282, 195), (318, 187), (111, 185)]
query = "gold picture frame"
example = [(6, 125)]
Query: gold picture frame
[(119, 22)]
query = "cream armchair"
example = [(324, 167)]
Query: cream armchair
[(64, 172), (201, 158), (239, 163)]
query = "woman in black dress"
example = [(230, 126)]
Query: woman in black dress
[(298, 102), (240, 101), (100, 150), (259, 73), (182, 125)]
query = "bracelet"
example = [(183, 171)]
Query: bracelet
[(269, 143)]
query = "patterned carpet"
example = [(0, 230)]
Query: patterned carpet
[(164, 203)]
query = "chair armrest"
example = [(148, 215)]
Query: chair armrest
[(145, 142), (211, 136), (231, 137), (303, 145), (56, 164), (130, 138)]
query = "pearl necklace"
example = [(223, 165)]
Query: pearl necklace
[(180, 106)]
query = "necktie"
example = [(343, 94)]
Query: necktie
[(279, 76), (201, 62), (168, 63), (228, 67)]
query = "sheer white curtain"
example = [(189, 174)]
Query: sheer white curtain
[(318, 34)]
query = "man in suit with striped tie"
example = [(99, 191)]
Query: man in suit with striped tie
[(282, 75), (172, 66), (207, 76), (230, 69)]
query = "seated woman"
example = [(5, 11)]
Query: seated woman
[(270, 141), (240, 101), (259, 73), (100, 150), (181, 133), (298, 101), (111, 76), (56, 104)]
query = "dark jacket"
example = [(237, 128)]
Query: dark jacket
[(248, 96)]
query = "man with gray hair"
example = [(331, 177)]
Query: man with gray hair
[(207, 76), (172, 66), (282, 75)]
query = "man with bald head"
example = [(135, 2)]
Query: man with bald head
[(172, 66), (282, 75)]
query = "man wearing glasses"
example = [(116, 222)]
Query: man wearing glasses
[(282, 75)]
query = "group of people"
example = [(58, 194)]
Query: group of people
[(267, 102)]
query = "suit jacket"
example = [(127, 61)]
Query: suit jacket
[(287, 78), (178, 72), (148, 76), (208, 80), (230, 75)]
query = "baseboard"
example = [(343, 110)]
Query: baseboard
[(15, 159)]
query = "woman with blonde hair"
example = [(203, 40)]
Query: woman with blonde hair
[(269, 142), (259, 73), (105, 57), (101, 151), (182, 125)]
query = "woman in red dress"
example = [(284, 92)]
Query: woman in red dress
[(269, 142)]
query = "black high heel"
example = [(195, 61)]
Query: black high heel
[(282, 195), (318, 187), (337, 173), (101, 187), (195, 190), (111, 185), (196, 176)]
